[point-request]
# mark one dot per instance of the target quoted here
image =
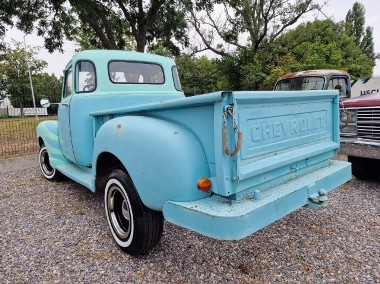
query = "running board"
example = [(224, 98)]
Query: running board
[(81, 175)]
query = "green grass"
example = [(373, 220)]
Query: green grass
[(18, 136)]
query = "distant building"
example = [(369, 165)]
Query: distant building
[(365, 86)]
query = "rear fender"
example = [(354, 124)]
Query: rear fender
[(165, 160), (47, 131)]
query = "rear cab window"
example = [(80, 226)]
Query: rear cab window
[(300, 84), (127, 72)]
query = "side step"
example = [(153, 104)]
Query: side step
[(226, 219), (81, 175)]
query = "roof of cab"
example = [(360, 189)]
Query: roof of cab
[(316, 72), (109, 55)]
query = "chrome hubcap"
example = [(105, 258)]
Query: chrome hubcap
[(119, 212), (45, 164)]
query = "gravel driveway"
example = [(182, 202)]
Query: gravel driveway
[(58, 233)]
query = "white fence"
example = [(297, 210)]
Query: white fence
[(27, 111)]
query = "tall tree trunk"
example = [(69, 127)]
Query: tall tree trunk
[(141, 41)]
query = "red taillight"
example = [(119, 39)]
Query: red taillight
[(204, 184)]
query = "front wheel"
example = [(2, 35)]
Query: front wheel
[(47, 170), (135, 227)]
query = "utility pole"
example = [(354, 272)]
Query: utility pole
[(30, 78)]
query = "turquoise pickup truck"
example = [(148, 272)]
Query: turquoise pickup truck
[(224, 164)]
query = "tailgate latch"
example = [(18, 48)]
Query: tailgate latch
[(230, 110)]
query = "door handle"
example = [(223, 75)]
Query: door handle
[(65, 104)]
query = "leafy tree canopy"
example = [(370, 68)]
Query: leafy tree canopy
[(318, 45), (198, 75), (106, 23), (362, 36), (244, 24)]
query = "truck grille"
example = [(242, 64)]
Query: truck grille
[(369, 123)]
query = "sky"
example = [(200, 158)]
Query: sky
[(335, 10)]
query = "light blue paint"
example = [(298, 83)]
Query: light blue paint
[(167, 142), (225, 219)]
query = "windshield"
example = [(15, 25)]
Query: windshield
[(300, 84)]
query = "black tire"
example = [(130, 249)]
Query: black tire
[(135, 227), (47, 170), (364, 168)]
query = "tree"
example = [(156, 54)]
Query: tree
[(363, 37), (198, 75), (312, 45), (47, 86), (110, 20), (317, 45), (244, 24), (6, 13), (13, 68)]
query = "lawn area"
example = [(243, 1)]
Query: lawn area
[(18, 136)]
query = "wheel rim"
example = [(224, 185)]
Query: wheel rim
[(45, 164), (119, 212)]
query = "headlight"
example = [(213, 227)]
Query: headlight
[(348, 116), (348, 121)]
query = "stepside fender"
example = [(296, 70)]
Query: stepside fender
[(164, 159), (48, 132)]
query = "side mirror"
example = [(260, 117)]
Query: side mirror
[(45, 103)]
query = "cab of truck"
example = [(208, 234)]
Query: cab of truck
[(323, 79)]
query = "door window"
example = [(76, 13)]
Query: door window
[(339, 83), (85, 77)]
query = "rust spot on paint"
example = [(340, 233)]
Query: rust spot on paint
[(118, 126), (143, 174)]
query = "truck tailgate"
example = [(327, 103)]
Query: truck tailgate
[(282, 133)]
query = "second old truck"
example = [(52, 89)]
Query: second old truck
[(224, 164), (320, 79), (360, 135)]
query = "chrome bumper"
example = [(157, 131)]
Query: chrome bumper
[(358, 147)]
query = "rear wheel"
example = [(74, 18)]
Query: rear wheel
[(135, 227), (364, 168), (47, 170)]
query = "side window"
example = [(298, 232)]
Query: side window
[(85, 77), (68, 83), (339, 83), (177, 83)]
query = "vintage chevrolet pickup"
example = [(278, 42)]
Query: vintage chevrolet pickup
[(224, 164)]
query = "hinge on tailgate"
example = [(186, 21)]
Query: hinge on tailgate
[(317, 200), (230, 110)]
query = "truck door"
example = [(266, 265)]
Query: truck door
[(64, 117)]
